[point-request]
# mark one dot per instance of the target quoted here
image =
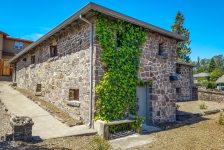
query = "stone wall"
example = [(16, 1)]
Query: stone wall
[(211, 96), (184, 84), (68, 70), (157, 68)]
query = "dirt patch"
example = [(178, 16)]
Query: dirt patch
[(195, 107), (67, 143), (51, 108), (201, 134), (4, 121)]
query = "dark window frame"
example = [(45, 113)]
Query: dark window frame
[(38, 88), (160, 49), (53, 50), (178, 69), (24, 59), (74, 94), (118, 41), (18, 45), (178, 90), (33, 59)]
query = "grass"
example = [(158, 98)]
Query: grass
[(67, 143), (203, 106), (221, 119), (62, 116), (98, 143), (200, 134)]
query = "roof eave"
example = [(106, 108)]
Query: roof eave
[(53, 31), (104, 10), (186, 64)]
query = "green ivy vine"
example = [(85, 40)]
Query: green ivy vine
[(121, 43)]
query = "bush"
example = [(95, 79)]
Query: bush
[(211, 85), (215, 74), (221, 119), (203, 106), (99, 144)]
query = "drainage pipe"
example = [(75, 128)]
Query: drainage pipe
[(91, 68)]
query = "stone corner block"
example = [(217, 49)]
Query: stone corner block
[(38, 94), (73, 103)]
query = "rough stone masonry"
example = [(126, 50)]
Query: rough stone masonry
[(68, 73)]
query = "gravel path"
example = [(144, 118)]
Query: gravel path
[(4, 121)]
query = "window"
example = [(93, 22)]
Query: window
[(33, 59), (24, 59), (118, 41), (73, 94), (160, 49), (178, 90), (178, 69), (18, 45), (38, 88), (53, 51)]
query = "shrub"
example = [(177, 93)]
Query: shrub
[(177, 106), (203, 106), (211, 85), (99, 144), (221, 119)]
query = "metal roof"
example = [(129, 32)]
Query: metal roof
[(186, 64), (18, 39), (202, 74), (220, 79), (5, 34), (106, 11)]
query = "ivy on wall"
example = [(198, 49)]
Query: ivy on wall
[(121, 43)]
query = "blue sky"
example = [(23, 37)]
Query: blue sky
[(204, 18)]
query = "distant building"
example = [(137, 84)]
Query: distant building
[(201, 75), (220, 83), (9, 47)]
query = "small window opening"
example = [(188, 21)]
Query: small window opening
[(80, 42), (178, 90), (38, 88), (160, 49), (178, 69), (53, 51), (118, 41), (24, 59), (33, 59), (73, 94), (18, 45)]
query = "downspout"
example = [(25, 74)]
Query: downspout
[(91, 68), (15, 72)]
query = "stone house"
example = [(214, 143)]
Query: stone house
[(185, 88), (64, 66), (220, 83), (9, 47)]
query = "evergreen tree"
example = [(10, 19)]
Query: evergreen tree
[(183, 49), (215, 74), (212, 65)]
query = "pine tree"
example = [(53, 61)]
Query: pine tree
[(212, 65), (183, 49)]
